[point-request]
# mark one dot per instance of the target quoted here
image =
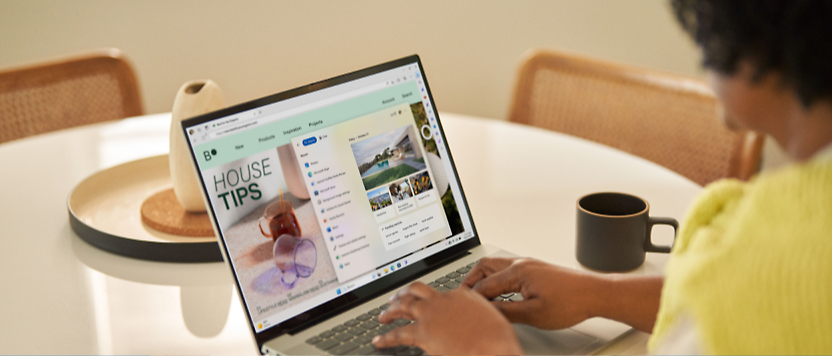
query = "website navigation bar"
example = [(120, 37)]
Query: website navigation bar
[(272, 133)]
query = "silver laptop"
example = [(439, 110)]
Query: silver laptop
[(328, 198)]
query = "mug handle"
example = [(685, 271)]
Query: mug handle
[(650, 247), (260, 225)]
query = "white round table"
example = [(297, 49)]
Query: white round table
[(61, 295)]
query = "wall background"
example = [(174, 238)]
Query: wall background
[(470, 48)]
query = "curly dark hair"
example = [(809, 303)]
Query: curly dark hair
[(790, 37)]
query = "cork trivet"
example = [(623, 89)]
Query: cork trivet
[(163, 212)]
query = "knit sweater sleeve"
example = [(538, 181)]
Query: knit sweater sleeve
[(752, 265)]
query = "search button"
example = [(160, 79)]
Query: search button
[(310, 141)]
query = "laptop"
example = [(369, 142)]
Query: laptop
[(328, 198)]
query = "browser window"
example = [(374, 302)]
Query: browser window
[(325, 192)]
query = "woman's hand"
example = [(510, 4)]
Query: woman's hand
[(556, 297), (463, 321), (457, 322)]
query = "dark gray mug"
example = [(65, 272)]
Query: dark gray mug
[(613, 231)]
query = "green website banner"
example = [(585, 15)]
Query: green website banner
[(278, 133)]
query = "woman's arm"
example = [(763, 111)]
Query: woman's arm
[(556, 297), (633, 300)]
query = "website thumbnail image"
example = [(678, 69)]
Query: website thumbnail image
[(298, 219)]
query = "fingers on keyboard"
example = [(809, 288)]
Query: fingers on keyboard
[(355, 336)]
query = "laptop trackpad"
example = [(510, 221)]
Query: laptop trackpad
[(555, 342)]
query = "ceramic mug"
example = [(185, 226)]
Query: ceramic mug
[(614, 231)]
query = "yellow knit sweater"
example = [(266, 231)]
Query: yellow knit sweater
[(752, 265)]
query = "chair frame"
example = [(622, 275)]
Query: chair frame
[(742, 166), (39, 74)]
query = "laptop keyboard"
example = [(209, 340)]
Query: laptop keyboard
[(354, 337)]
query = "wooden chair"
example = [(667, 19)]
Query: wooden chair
[(89, 88), (669, 119)]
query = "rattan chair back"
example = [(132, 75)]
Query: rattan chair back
[(89, 88), (669, 119)]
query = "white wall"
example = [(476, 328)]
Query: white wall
[(253, 48), (470, 48)]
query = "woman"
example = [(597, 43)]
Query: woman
[(751, 271)]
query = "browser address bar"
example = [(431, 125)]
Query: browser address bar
[(298, 110)]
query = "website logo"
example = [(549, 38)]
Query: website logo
[(209, 154)]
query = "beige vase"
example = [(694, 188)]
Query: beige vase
[(194, 98), (291, 171)]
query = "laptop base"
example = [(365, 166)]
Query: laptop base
[(533, 340)]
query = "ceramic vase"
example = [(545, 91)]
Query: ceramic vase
[(194, 98), (292, 174)]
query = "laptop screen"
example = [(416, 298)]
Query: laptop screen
[(324, 194)]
